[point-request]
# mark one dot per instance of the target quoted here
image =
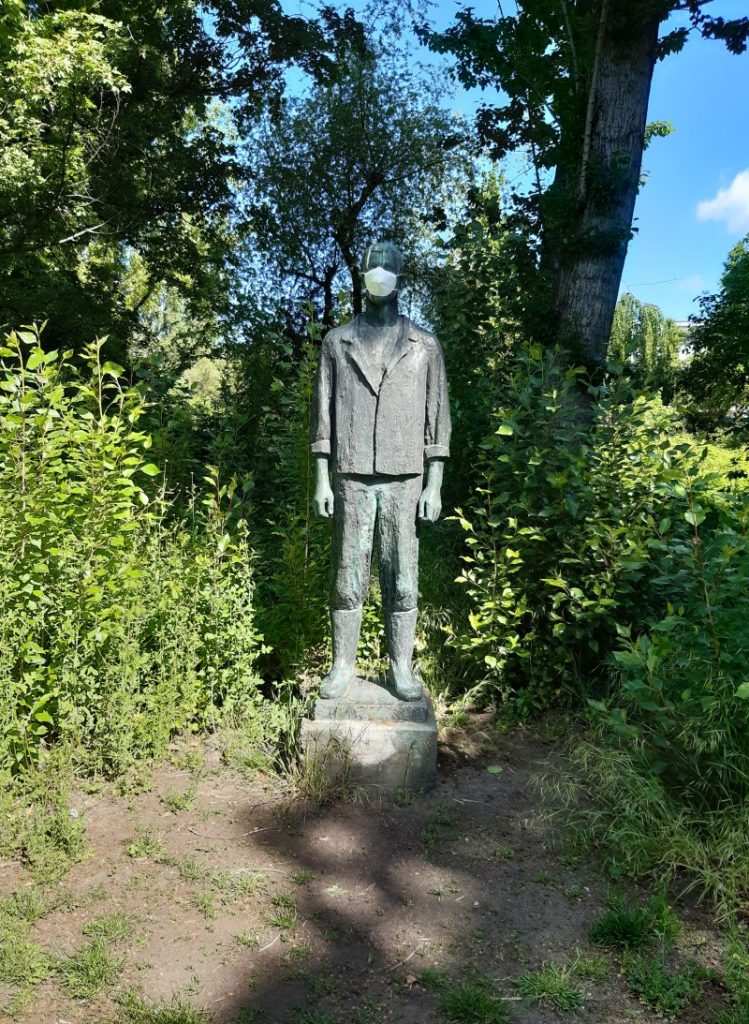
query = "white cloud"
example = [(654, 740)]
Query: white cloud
[(730, 204)]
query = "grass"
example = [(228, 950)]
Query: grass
[(443, 828), (133, 1010), (595, 968), (204, 903), (177, 802), (283, 918), (190, 869), (552, 985), (634, 928), (666, 992), (302, 877), (115, 927), (472, 1003), (23, 963), (90, 970), (146, 845), (236, 885)]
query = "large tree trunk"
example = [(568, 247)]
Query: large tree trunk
[(589, 261)]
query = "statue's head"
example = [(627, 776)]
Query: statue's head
[(382, 268)]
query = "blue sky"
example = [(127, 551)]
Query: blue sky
[(695, 205)]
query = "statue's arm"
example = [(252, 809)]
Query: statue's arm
[(322, 430), (437, 429)]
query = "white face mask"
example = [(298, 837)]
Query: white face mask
[(380, 282)]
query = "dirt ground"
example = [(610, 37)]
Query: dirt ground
[(241, 900)]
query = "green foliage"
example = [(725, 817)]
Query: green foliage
[(133, 1009), (577, 528), (90, 970), (624, 927), (716, 381), (667, 992), (118, 627), (646, 341), (472, 1003), (552, 985)]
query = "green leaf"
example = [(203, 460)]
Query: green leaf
[(150, 469), (505, 430), (743, 691), (494, 769), (114, 369)]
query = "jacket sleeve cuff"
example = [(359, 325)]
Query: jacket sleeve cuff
[(320, 447), (436, 451)]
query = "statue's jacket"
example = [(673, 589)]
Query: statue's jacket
[(387, 426)]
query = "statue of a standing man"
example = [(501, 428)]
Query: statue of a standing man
[(381, 423)]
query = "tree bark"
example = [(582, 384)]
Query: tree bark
[(589, 261)]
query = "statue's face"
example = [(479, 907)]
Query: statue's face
[(382, 268)]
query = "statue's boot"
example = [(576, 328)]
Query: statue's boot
[(346, 624), (400, 629)]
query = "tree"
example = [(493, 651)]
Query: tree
[(117, 137), (717, 377), (370, 155), (644, 338), (576, 75)]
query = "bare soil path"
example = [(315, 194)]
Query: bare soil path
[(249, 905)]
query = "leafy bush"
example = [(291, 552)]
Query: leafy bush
[(118, 625), (581, 526)]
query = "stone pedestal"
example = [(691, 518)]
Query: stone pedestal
[(382, 740)]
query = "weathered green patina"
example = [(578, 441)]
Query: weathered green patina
[(381, 425)]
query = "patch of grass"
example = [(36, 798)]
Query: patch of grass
[(133, 1010), (247, 940), (204, 904), (23, 963), (20, 910), (574, 893), (145, 845), (590, 967), (503, 852), (115, 927), (736, 968), (736, 1015), (552, 985), (190, 869), (634, 928), (285, 900), (432, 979), (90, 970), (472, 1003), (235, 885), (191, 760), (664, 991), (177, 802), (302, 877), (297, 951), (443, 828), (282, 917), (314, 1017), (327, 778)]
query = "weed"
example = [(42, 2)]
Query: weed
[(192, 761), (177, 802), (666, 992), (326, 778), (595, 968), (21, 909), (551, 985), (23, 963), (190, 869), (247, 940), (115, 927), (284, 900), (146, 845), (203, 903), (302, 877), (235, 885), (623, 928), (574, 893), (472, 1003), (442, 828), (432, 979), (503, 852), (736, 969), (90, 970), (298, 951), (282, 917), (133, 1010)]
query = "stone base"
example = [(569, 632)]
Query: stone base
[(381, 740)]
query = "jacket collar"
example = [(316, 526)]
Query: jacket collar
[(408, 335)]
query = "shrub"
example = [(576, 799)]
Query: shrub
[(118, 624), (581, 526)]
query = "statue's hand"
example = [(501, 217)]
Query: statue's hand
[(430, 504), (323, 501)]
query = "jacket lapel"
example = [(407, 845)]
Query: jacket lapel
[(359, 356), (402, 345)]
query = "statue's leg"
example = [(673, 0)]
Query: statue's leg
[(399, 578), (353, 528)]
